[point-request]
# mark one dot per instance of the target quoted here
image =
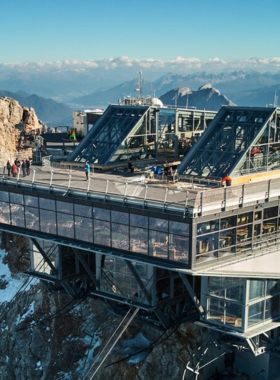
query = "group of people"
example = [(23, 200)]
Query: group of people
[(24, 166)]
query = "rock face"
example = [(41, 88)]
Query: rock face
[(12, 114), (48, 336)]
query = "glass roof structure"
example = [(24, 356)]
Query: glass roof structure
[(240, 140), (108, 133), (137, 132)]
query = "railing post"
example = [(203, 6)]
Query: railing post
[(165, 198), (69, 181), (33, 176), (51, 179), (125, 191), (18, 174), (145, 195)]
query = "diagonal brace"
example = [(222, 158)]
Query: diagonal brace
[(192, 293)]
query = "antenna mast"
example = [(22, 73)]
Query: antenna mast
[(140, 84)]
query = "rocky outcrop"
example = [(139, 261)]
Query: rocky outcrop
[(48, 336), (11, 115)]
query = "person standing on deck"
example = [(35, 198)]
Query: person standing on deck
[(87, 170), (9, 168), (227, 179)]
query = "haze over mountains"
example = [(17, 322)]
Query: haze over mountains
[(249, 88)]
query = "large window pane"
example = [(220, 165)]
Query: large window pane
[(178, 228), (256, 289), (29, 200), (139, 220), (65, 225), (158, 244), (82, 210), (178, 248), (101, 213), (270, 212), (64, 207), (16, 198), (120, 236), (48, 221), (158, 224), (273, 286), (102, 232), (32, 218), (47, 204), (119, 217), (139, 240), (4, 212), (272, 308), (256, 313), (83, 229), (206, 227), (4, 196), (17, 212)]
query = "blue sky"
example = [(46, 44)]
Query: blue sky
[(56, 30)]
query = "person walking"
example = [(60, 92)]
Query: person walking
[(87, 170), (23, 168), (14, 169), (9, 168), (27, 162)]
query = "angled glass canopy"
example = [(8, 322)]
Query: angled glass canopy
[(108, 133), (239, 140)]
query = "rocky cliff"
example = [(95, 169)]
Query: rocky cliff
[(12, 115), (48, 336)]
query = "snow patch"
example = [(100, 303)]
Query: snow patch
[(29, 313), (13, 282)]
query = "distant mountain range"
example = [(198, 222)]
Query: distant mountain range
[(237, 87), (206, 97), (47, 110)]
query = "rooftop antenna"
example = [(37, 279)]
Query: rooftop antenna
[(140, 84), (275, 99), (139, 89)]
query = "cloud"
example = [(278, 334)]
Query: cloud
[(179, 64)]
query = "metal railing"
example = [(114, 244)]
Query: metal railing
[(197, 202)]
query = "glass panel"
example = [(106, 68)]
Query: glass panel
[(178, 228), (82, 210), (158, 224), (101, 213), (4, 212), (120, 237), (179, 248), (256, 289), (256, 313), (139, 220), (102, 233), (273, 286), (16, 198), (4, 196), (216, 310), (270, 212), (139, 240), (228, 222), (119, 217), (29, 200), (17, 212), (158, 244), (272, 307), (83, 229), (269, 226), (207, 243), (233, 315), (245, 218), (205, 227), (32, 218), (48, 204), (65, 225), (258, 215), (48, 221), (227, 239), (64, 207)]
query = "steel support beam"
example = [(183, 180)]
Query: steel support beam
[(86, 266), (192, 293), (138, 279), (65, 285)]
